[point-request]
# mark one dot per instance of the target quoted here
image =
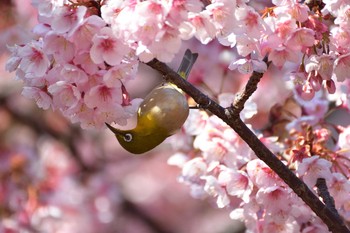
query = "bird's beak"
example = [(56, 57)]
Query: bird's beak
[(114, 130)]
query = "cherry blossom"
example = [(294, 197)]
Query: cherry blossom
[(41, 97), (247, 66), (339, 187), (82, 35), (237, 183), (204, 28), (213, 188), (66, 18), (106, 48), (59, 47), (274, 199), (341, 65), (34, 60), (64, 94), (313, 168), (222, 15)]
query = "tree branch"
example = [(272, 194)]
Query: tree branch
[(249, 89), (334, 223), (322, 191)]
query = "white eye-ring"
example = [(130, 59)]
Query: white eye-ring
[(128, 137)]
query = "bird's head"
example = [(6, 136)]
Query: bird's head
[(135, 141)]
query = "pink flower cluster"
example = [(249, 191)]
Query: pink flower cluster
[(320, 37), (221, 166), (216, 164), (312, 46), (76, 66), (86, 51)]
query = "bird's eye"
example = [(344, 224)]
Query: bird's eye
[(128, 137)]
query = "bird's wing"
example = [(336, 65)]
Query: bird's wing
[(186, 64)]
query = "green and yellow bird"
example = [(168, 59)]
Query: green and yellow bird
[(163, 112)]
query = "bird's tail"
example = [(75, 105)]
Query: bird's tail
[(186, 64)]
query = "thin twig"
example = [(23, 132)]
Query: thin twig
[(334, 223), (322, 191), (247, 92), (249, 89)]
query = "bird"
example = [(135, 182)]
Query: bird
[(161, 114)]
